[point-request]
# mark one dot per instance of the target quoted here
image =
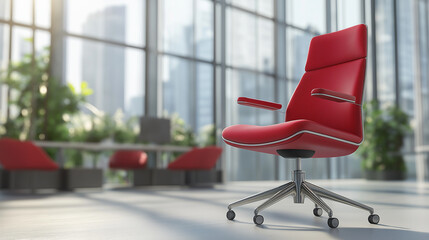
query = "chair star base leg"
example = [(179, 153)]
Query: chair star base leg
[(304, 189)]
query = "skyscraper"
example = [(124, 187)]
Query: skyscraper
[(103, 64)]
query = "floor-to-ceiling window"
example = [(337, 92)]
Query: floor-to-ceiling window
[(25, 27), (421, 93), (250, 72), (385, 52), (105, 48), (185, 63)]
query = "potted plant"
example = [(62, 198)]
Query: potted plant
[(384, 134)]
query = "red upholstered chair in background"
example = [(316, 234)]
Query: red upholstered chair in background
[(197, 159), (132, 160), (199, 164), (19, 155), (27, 165), (127, 160), (323, 119)]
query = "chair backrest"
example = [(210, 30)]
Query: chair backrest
[(197, 159), (336, 61), (18, 155)]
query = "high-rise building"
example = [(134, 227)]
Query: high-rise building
[(103, 64)]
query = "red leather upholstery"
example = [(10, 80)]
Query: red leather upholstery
[(18, 155), (250, 134), (345, 78), (323, 147), (336, 65), (332, 95), (197, 159), (337, 47), (128, 160), (258, 103)]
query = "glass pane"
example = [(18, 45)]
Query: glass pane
[(4, 53), (4, 45), (307, 14), (218, 34), (266, 7), (406, 55), (424, 71), (116, 20), (297, 44), (21, 42), (266, 91), (247, 84), (244, 164), (282, 93), (178, 26), (43, 13), (246, 4), (349, 13), (240, 84), (176, 88), (114, 73), (292, 84), (241, 39), (5, 9), (22, 11), (204, 29), (265, 45), (204, 98), (385, 52), (42, 42)]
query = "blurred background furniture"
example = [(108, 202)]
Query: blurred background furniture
[(132, 160), (155, 130), (199, 164), (194, 168), (128, 159), (26, 166)]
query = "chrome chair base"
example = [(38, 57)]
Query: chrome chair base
[(299, 189)]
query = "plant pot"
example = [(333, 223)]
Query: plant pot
[(82, 178), (385, 175), (201, 178), (4, 179), (33, 179), (168, 177)]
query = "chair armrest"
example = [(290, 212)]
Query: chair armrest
[(333, 95), (251, 102)]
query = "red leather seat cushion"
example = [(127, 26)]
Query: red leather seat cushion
[(18, 155), (128, 159), (197, 159), (250, 134), (337, 47)]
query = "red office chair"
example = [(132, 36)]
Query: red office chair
[(323, 119)]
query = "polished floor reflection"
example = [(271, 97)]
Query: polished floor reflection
[(174, 213)]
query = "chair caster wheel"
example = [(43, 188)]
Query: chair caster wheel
[(258, 219), (333, 222), (230, 215), (373, 219), (317, 212)]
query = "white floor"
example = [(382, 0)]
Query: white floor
[(174, 213)]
